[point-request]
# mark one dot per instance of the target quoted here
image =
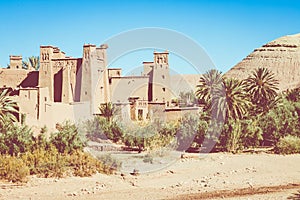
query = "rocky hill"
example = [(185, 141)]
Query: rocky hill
[(281, 56)]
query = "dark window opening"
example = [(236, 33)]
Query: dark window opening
[(140, 114), (58, 86), (164, 89)]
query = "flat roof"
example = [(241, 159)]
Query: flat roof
[(129, 77), (148, 62), (68, 58), (46, 46), (114, 68), (89, 45)]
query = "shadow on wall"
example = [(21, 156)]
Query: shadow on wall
[(32, 80)]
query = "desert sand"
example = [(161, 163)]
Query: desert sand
[(215, 176)]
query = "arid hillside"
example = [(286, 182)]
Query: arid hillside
[(281, 56)]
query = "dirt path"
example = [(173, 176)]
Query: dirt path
[(215, 176), (269, 191)]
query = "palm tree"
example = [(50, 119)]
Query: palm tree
[(107, 111), (231, 102), (207, 84), (32, 62), (8, 108), (262, 88), (293, 95)]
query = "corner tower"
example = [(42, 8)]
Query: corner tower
[(94, 77), (160, 78), (15, 62), (46, 71)]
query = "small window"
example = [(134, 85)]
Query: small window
[(17, 66), (140, 114), (85, 92), (163, 76), (164, 89), (45, 98)]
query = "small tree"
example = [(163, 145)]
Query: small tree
[(107, 111), (68, 139), (187, 130), (15, 139)]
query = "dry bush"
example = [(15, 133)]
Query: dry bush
[(13, 169), (288, 145)]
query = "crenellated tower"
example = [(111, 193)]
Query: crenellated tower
[(160, 78), (94, 76), (46, 71)]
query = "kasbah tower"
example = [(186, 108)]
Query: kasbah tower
[(67, 88)]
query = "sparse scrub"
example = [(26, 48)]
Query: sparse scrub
[(288, 145), (83, 164), (13, 169), (46, 162), (148, 159), (108, 164)]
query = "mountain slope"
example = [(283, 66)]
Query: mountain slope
[(281, 56)]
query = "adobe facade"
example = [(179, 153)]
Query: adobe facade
[(67, 88)]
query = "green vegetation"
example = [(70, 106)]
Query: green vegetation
[(288, 145), (62, 154), (67, 139), (248, 113), (252, 111), (32, 62), (8, 108)]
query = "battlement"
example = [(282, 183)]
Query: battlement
[(161, 57), (89, 45)]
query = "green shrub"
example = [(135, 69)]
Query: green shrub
[(288, 145), (15, 139), (148, 159), (187, 130), (278, 122), (67, 139), (13, 169), (101, 128), (108, 164)]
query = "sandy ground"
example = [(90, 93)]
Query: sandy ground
[(230, 175)]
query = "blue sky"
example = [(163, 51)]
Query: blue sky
[(227, 30)]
